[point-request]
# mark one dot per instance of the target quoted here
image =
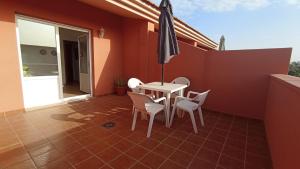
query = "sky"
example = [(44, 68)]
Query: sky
[(246, 24)]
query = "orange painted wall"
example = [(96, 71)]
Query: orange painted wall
[(10, 83), (140, 56), (282, 121), (135, 48), (239, 79), (107, 52)]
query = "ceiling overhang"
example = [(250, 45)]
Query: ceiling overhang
[(144, 9)]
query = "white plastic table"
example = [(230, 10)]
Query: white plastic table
[(167, 89)]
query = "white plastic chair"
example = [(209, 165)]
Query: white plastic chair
[(133, 83), (190, 104), (144, 103), (180, 80)]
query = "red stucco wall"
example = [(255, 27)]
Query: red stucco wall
[(136, 41), (282, 121), (239, 79), (107, 52)]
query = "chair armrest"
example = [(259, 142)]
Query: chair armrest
[(160, 99), (191, 92), (178, 98)]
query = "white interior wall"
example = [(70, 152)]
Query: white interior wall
[(39, 64), (36, 34)]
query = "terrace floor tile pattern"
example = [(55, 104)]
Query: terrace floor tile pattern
[(72, 136)]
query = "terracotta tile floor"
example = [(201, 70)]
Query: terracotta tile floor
[(72, 136)]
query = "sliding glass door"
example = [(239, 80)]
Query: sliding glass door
[(40, 66), (44, 59), (84, 76)]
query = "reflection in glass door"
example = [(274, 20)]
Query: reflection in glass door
[(84, 63), (39, 63)]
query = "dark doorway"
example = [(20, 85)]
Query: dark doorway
[(72, 86), (71, 62)]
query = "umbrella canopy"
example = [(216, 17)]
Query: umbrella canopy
[(222, 43), (167, 41)]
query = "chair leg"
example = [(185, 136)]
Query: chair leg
[(201, 116), (172, 115), (133, 109), (193, 121), (150, 125), (134, 120)]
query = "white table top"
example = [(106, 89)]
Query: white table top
[(167, 87)]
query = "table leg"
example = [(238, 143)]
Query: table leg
[(180, 113), (168, 102)]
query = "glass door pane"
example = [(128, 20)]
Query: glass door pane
[(84, 77), (39, 63)]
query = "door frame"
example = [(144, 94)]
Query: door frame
[(79, 48), (57, 26)]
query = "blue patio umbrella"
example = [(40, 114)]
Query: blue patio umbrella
[(167, 41)]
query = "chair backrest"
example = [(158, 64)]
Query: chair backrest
[(182, 80), (139, 100), (133, 83), (200, 98)]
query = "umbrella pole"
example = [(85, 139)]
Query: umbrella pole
[(162, 74)]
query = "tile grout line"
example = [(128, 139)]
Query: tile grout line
[(85, 147), (139, 161), (82, 162), (12, 128), (82, 148), (206, 138), (23, 146), (111, 146), (160, 142), (46, 138), (177, 148), (224, 144), (151, 151), (13, 123), (121, 152)]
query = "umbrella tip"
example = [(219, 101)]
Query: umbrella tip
[(164, 3), (222, 37)]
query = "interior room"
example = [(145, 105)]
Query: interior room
[(70, 60)]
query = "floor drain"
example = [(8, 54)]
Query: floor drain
[(109, 125)]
